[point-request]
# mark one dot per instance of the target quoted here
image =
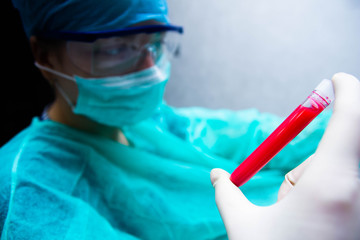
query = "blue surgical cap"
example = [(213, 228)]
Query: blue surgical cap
[(42, 16)]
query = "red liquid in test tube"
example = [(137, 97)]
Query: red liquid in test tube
[(315, 103)]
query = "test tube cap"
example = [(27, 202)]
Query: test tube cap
[(326, 90)]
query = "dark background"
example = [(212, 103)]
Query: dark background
[(24, 92)]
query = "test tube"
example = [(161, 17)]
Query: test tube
[(314, 104)]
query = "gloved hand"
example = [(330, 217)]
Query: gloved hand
[(321, 198)]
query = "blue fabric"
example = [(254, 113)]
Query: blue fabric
[(43, 16), (61, 183)]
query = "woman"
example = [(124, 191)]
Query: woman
[(108, 159)]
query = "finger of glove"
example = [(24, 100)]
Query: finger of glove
[(291, 178), (340, 145), (237, 212), (228, 197)]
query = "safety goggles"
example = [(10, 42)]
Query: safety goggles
[(122, 51)]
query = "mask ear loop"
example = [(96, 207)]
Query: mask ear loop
[(61, 90), (66, 97), (54, 72)]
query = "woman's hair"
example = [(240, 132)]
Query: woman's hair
[(52, 45)]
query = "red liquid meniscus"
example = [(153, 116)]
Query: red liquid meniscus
[(277, 140)]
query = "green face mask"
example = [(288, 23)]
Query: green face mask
[(119, 100)]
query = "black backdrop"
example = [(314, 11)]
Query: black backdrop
[(24, 92)]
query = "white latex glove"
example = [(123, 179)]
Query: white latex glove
[(323, 201)]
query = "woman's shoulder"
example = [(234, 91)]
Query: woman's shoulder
[(42, 156), (43, 145)]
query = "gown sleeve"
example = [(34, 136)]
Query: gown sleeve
[(233, 135)]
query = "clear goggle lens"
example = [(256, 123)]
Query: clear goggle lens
[(122, 55)]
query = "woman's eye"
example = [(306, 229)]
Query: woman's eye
[(111, 51), (114, 51)]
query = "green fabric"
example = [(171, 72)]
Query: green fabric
[(60, 183)]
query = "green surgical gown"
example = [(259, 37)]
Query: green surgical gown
[(61, 183)]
